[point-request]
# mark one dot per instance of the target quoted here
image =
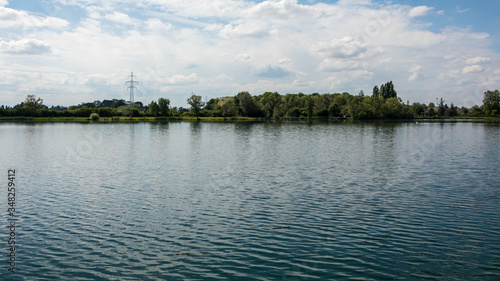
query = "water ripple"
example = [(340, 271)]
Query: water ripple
[(203, 201)]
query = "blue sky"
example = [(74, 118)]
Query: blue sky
[(73, 51)]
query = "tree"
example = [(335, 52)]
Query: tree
[(476, 111), (227, 106), (441, 107), (196, 104), (309, 106), (376, 92), (246, 104), (154, 109), (491, 103), (387, 90), (94, 117), (270, 102), (431, 112), (33, 102), (164, 106), (452, 112), (418, 108)]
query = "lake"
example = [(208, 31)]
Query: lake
[(252, 201)]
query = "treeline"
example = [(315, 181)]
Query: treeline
[(383, 103)]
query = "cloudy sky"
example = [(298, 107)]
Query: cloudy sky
[(73, 51)]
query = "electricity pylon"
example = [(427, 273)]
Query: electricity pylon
[(131, 87)]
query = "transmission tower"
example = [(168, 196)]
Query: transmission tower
[(131, 87)]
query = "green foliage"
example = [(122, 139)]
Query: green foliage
[(32, 101), (270, 103), (293, 112), (164, 106), (491, 103), (227, 106), (441, 107), (382, 104), (196, 104), (309, 106), (376, 92), (418, 109), (153, 109), (246, 104), (476, 111), (387, 91), (94, 117)]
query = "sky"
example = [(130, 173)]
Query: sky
[(72, 51)]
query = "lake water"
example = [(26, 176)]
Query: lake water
[(199, 201)]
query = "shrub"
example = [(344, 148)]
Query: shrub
[(94, 117)]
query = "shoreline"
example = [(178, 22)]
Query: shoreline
[(235, 119)]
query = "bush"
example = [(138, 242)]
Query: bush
[(94, 117)]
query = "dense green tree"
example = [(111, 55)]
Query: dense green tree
[(376, 92), (246, 104), (418, 108), (452, 112), (105, 111), (209, 105), (196, 104), (293, 112), (271, 102), (476, 111), (154, 108), (491, 103), (387, 90), (33, 102), (441, 107), (334, 110), (464, 111), (94, 117), (227, 107), (164, 106), (392, 108), (309, 106)]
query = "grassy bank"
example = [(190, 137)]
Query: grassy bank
[(121, 119), (125, 119)]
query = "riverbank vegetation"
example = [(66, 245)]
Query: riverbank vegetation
[(383, 103)]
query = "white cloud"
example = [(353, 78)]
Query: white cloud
[(156, 25), (415, 68), (10, 18), (450, 75), (25, 46), (3, 3), (271, 71), (246, 29), (244, 57), (119, 18), (284, 60), (182, 79), (462, 10), (337, 48), (220, 47), (477, 60), (224, 78), (472, 68), (338, 64), (419, 11), (415, 73)]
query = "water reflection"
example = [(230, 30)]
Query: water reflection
[(364, 200)]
